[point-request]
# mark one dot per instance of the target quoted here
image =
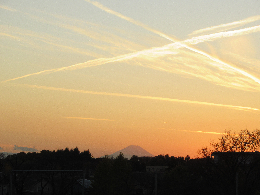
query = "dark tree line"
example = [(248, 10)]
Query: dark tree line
[(47, 168), (111, 176), (49, 160), (228, 167)]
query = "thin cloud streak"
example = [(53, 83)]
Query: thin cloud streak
[(7, 8), (108, 38), (231, 25), (95, 119), (254, 63), (95, 62), (209, 132), (117, 41), (212, 37), (114, 41), (31, 38), (106, 9), (243, 108), (75, 50), (188, 64), (10, 36)]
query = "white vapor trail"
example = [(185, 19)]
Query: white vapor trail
[(102, 7), (212, 37), (98, 62), (232, 24), (206, 132), (142, 97), (7, 8), (94, 119)]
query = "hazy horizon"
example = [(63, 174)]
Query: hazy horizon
[(102, 75)]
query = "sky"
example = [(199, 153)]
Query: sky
[(169, 76)]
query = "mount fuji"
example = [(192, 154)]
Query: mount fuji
[(131, 150)]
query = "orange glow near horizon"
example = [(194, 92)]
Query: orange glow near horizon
[(106, 75)]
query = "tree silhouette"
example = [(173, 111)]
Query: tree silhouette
[(112, 176), (236, 167), (41, 167), (244, 141), (121, 171), (102, 183)]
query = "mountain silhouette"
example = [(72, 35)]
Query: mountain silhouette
[(131, 150)]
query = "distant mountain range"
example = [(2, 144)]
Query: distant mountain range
[(131, 150)]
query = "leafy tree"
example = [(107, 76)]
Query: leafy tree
[(244, 141), (235, 170)]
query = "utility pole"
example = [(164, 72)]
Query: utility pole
[(83, 182), (155, 183), (40, 171), (11, 183), (237, 183)]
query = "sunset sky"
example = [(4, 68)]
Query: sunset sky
[(169, 76)]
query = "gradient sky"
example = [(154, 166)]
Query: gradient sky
[(169, 76)]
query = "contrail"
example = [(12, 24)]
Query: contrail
[(106, 9), (11, 36), (25, 36), (173, 40), (95, 119), (254, 63), (96, 62), (206, 132), (235, 24), (109, 38), (7, 8), (211, 37), (142, 97)]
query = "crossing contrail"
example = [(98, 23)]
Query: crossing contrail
[(160, 51), (142, 97), (174, 40), (155, 52)]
